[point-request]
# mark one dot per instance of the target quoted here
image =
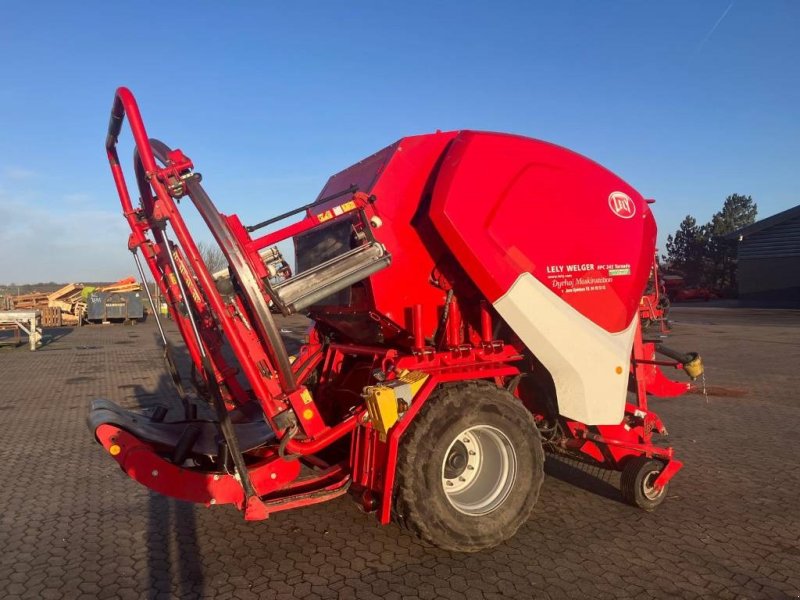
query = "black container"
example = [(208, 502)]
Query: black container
[(114, 306)]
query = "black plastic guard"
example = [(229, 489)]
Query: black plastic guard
[(166, 436)]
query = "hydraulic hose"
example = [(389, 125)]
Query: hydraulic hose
[(288, 436), (681, 357)]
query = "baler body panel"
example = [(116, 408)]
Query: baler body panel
[(399, 176), (561, 247), (558, 244), (508, 205), (589, 365)]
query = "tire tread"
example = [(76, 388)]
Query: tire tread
[(451, 397)]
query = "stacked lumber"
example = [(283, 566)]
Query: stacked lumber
[(70, 319), (62, 307), (66, 297), (67, 306), (76, 313), (34, 301), (128, 284), (69, 300)]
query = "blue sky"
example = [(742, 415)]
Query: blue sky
[(687, 101)]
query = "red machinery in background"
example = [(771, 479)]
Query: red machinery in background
[(654, 306), (475, 299)]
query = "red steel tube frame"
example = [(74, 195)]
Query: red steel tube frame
[(125, 105), (416, 320)]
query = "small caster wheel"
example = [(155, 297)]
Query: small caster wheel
[(636, 483)]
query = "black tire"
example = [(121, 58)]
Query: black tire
[(636, 483), (495, 422)]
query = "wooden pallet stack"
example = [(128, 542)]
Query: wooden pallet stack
[(51, 317), (70, 302), (62, 307), (34, 301), (66, 306)]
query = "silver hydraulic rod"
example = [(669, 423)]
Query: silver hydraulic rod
[(184, 296), (156, 313), (171, 366)]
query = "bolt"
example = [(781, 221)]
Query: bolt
[(449, 483), (216, 477), (273, 475), (154, 473), (213, 501), (461, 479), (472, 452), (465, 440), (470, 468)]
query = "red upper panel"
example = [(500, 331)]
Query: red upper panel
[(501, 206), (507, 205), (399, 176)]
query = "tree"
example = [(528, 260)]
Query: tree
[(738, 211), (685, 251), (213, 257), (703, 254)]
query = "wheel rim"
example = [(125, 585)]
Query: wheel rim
[(479, 470), (648, 488)]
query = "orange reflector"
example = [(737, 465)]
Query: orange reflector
[(114, 449), (308, 414)]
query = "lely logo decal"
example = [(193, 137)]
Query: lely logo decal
[(621, 205)]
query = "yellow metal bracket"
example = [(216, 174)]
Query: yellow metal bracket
[(388, 400)]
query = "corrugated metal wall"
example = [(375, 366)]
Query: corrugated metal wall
[(769, 264), (781, 240), (770, 279)]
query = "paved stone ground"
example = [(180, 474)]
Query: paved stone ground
[(74, 526)]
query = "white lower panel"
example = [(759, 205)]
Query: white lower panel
[(589, 365)]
